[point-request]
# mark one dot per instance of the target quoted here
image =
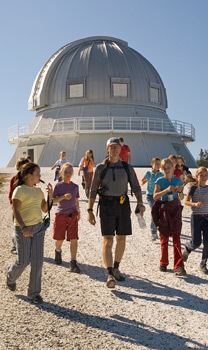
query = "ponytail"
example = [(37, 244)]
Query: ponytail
[(18, 179), (27, 169)]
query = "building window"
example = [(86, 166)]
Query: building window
[(120, 90), (75, 90), (154, 94), (120, 87)]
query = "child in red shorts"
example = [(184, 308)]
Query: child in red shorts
[(66, 194)]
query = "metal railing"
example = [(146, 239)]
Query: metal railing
[(49, 126)]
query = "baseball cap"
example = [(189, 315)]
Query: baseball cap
[(113, 141)]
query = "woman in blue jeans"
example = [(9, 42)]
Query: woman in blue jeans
[(150, 177)]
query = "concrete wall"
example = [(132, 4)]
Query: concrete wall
[(143, 148)]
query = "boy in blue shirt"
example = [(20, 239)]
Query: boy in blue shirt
[(150, 177)]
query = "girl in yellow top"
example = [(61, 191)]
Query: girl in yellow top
[(87, 165), (28, 204)]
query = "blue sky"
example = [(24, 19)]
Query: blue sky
[(171, 34)]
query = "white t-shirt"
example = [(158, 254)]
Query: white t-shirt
[(61, 162)]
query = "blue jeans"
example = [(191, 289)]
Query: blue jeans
[(199, 230), (150, 201)]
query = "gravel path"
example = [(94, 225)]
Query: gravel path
[(150, 310)]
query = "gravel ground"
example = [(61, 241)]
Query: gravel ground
[(150, 310)]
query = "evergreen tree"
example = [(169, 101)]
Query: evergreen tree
[(203, 158)]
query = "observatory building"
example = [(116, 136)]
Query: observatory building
[(90, 90)]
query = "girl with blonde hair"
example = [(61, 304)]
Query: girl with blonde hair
[(167, 216), (66, 194)]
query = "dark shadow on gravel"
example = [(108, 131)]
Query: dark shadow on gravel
[(160, 293), (48, 260), (94, 272), (147, 287), (124, 329)]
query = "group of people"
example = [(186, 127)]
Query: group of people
[(110, 182)]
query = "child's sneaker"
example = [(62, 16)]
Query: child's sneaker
[(154, 237), (58, 257), (180, 272), (203, 269), (185, 255), (163, 268)]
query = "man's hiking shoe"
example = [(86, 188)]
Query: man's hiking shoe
[(73, 267), (180, 272), (163, 268), (58, 258), (118, 275), (185, 255), (203, 269), (36, 300), (110, 281)]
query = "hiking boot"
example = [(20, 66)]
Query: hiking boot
[(203, 269), (58, 258), (11, 286), (37, 299), (13, 250), (185, 255), (73, 267), (110, 281), (163, 268), (154, 236), (118, 275), (180, 272)]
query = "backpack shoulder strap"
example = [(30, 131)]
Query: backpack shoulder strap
[(192, 190), (126, 167), (104, 171)]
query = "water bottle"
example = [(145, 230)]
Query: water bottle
[(141, 221)]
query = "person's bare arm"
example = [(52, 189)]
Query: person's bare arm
[(54, 166), (81, 165), (16, 205), (158, 193), (77, 208), (91, 216), (58, 199), (189, 203), (44, 204), (143, 181)]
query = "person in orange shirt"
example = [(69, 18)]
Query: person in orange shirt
[(87, 165), (125, 153)]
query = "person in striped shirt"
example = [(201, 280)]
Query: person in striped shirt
[(197, 199)]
